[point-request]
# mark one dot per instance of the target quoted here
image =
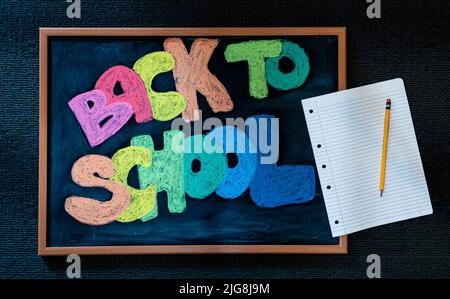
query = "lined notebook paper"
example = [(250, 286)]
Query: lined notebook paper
[(346, 131)]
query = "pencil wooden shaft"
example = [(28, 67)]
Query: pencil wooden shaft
[(385, 143)]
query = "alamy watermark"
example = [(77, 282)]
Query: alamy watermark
[(74, 9), (234, 135), (374, 269), (374, 9), (74, 268)]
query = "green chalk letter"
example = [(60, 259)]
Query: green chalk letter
[(255, 52), (296, 77), (165, 105), (142, 201), (166, 171)]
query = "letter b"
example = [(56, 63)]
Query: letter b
[(98, 120)]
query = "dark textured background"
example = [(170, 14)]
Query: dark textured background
[(411, 41)]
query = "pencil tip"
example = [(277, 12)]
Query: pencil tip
[(381, 193)]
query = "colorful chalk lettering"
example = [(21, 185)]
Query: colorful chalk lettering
[(91, 211), (213, 165), (200, 166), (274, 186), (165, 105), (98, 120), (134, 92), (254, 52), (294, 78), (237, 179), (166, 171), (142, 201), (191, 74)]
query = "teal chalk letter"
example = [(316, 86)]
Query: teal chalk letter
[(212, 164), (293, 79)]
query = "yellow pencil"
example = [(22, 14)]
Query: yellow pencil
[(385, 143)]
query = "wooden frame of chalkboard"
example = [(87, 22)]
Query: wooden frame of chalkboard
[(45, 33)]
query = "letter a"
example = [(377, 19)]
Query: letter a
[(374, 9), (134, 92), (74, 9)]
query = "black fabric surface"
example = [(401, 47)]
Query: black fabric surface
[(411, 41)]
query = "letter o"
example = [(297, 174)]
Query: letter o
[(296, 77)]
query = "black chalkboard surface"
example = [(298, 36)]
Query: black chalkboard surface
[(71, 63)]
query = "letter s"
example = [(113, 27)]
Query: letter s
[(91, 211)]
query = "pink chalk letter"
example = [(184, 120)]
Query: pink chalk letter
[(98, 120), (133, 88)]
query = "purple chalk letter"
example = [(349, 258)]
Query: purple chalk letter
[(98, 120)]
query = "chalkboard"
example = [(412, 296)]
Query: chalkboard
[(71, 63)]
